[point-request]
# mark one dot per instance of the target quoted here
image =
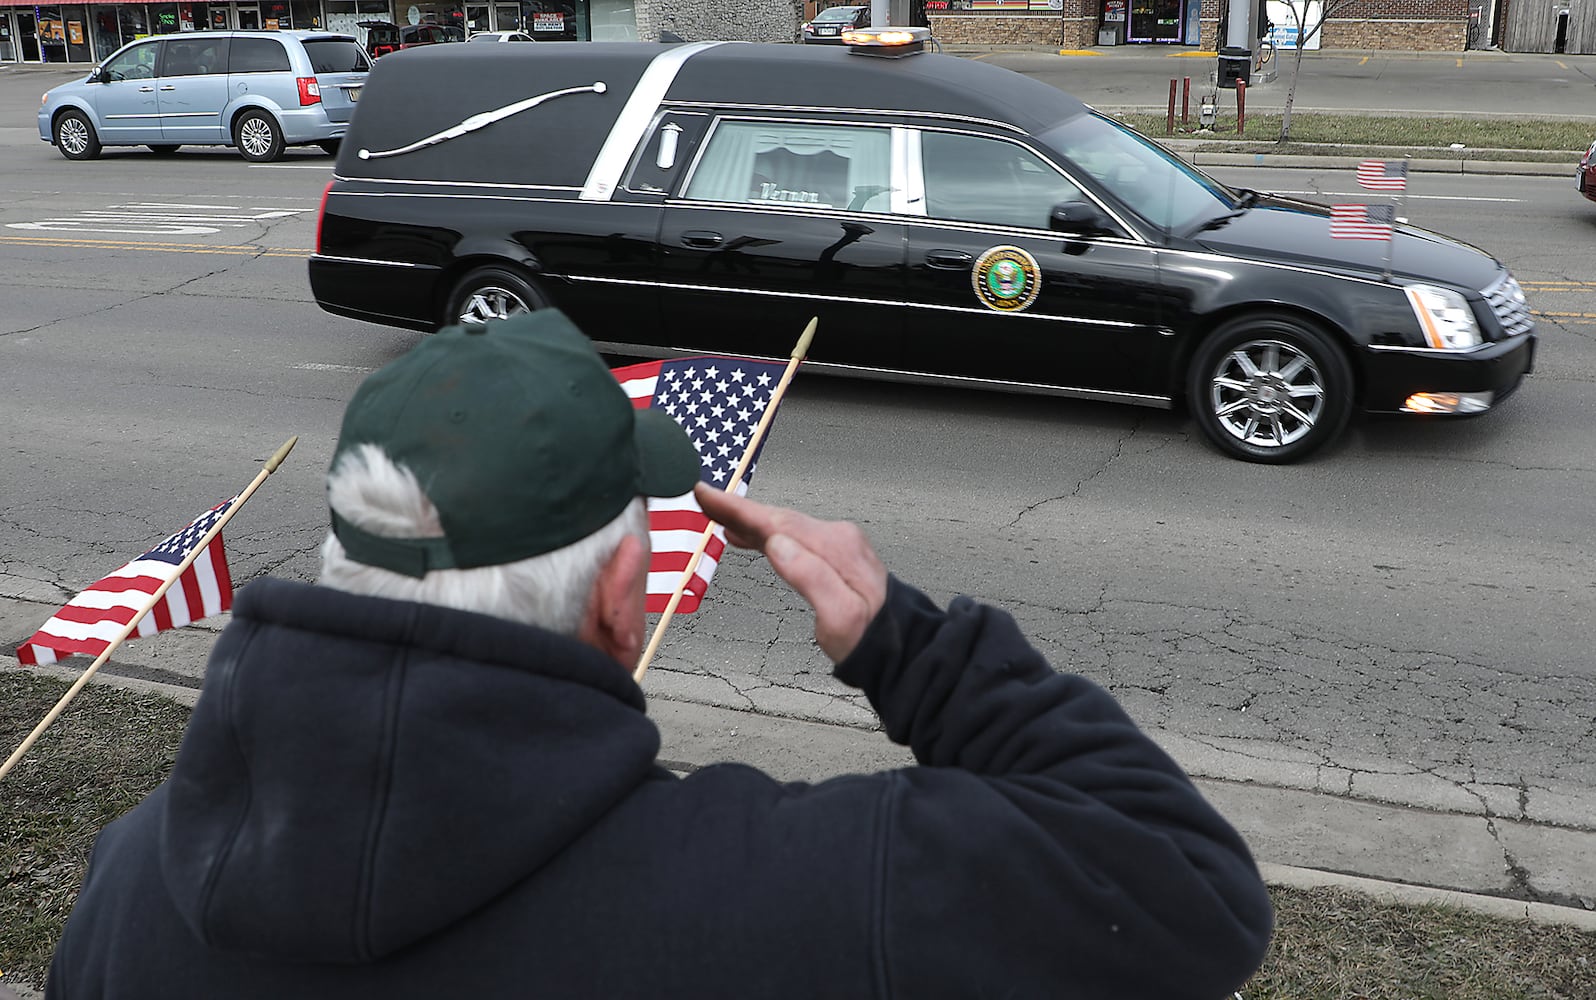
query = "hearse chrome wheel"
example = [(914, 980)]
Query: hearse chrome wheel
[(491, 293), (484, 304), (1270, 389)]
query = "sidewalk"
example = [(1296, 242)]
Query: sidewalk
[(1489, 864)]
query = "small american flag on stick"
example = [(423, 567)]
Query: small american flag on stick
[(89, 622), (1362, 222), (1383, 175), (719, 402)]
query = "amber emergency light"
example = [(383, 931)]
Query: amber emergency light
[(890, 42)]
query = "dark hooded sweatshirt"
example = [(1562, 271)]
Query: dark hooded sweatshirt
[(385, 799)]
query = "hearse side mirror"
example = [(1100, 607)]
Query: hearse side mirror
[(1078, 218)]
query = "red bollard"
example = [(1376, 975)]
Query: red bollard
[(1169, 122), (1241, 107), (1185, 103)]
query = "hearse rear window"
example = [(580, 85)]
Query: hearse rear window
[(814, 165)]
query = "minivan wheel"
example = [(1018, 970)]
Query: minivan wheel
[(1269, 388), (257, 137), (330, 146), (75, 138), (492, 293), (164, 149)]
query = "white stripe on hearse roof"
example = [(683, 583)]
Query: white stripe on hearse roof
[(634, 119)]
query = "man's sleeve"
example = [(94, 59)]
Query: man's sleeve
[(1046, 847)]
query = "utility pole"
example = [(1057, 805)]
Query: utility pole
[(880, 15)]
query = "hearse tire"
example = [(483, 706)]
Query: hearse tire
[(491, 293), (1269, 387)]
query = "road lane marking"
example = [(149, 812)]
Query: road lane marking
[(159, 219), (63, 243), (1409, 197), (311, 366)]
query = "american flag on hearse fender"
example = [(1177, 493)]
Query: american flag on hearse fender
[(1362, 222), (719, 402), (88, 623)]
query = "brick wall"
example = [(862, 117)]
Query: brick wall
[(697, 20), (1418, 25), (1049, 29), (1390, 33)]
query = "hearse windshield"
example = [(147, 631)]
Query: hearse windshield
[(1164, 189)]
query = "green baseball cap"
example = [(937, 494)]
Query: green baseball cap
[(520, 437)]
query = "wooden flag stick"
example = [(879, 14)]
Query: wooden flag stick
[(799, 351), (160, 592)]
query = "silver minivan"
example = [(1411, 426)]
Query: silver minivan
[(258, 91)]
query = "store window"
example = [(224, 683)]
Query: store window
[(344, 16), (275, 15), (448, 16), (132, 22), (163, 19), (107, 32), (613, 20), (814, 165)]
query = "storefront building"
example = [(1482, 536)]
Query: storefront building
[(1422, 25), (31, 32)]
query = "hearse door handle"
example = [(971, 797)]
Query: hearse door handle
[(168, 87), (702, 239), (953, 260), (146, 90)]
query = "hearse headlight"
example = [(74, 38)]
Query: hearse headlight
[(1445, 317)]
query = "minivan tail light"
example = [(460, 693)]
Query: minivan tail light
[(321, 213), (309, 91)]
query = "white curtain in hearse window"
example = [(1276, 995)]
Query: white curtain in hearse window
[(824, 166)]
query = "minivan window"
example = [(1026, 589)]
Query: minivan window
[(773, 163), (973, 179), (136, 63), (259, 55), (1161, 187), (195, 57), (336, 55)]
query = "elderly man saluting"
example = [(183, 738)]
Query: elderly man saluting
[(431, 775)]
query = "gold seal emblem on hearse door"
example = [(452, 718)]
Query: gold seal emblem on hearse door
[(1006, 278)]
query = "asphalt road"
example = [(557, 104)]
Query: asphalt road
[(1406, 617)]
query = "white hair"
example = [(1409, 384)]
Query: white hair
[(551, 590)]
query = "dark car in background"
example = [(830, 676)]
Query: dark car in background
[(829, 24), (947, 220), (383, 37)]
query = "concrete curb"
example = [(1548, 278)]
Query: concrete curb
[(1451, 849), (1297, 161), (1420, 895)]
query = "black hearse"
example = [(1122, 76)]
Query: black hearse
[(947, 220)]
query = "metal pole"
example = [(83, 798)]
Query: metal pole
[(880, 14), (1241, 107), (1185, 103), (1169, 121)]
